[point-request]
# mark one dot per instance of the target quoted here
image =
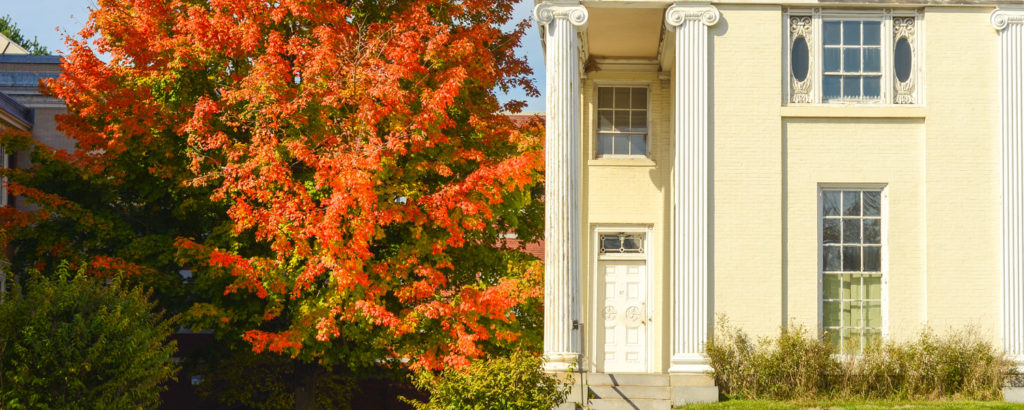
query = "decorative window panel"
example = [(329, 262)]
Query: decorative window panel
[(622, 243), (622, 121), (860, 57), (852, 265), (904, 63)]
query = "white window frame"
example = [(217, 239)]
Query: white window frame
[(884, 268), (648, 233), (595, 141), (815, 69)]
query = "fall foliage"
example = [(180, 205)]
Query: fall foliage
[(340, 169)]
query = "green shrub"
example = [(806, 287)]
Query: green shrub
[(798, 365), (75, 342), (515, 382), (793, 365), (959, 364)]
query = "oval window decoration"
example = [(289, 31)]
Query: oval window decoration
[(902, 60), (799, 60)]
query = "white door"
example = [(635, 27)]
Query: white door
[(624, 293)]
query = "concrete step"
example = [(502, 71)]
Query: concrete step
[(630, 404), (630, 392), (611, 379), (694, 394)]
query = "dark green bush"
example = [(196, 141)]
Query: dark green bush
[(798, 365), (76, 342), (242, 379), (515, 382)]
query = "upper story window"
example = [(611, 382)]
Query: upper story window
[(622, 121), (852, 60), (852, 57)]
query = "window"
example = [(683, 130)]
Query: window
[(852, 252), (621, 121), (853, 57), (622, 243), (852, 60)]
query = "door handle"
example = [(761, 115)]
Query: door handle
[(643, 307)]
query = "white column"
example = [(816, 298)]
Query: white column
[(690, 237), (562, 224), (1010, 24)]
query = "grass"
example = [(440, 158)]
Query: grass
[(870, 404)]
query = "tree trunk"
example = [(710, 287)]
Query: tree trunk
[(305, 385)]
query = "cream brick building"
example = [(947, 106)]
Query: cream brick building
[(853, 166)]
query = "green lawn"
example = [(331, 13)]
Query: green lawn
[(767, 404)]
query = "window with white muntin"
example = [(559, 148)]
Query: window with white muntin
[(622, 128), (852, 266), (858, 57), (852, 60)]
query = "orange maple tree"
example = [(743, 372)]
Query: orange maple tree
[(357, 147)]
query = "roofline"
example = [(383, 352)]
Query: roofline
[(29, 59), (17, 114)]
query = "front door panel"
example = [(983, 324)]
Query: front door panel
[(624, 292)]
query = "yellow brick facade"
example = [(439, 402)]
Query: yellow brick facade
[(938, 161)]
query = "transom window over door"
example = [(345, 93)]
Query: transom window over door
[(622, 121), (852, 265)]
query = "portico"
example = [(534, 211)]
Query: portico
[(627, 294)]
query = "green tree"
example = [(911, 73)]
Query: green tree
[(10, 29), (70, 341)]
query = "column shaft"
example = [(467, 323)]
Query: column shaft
[(690, 237), (562, 344), (1010, 23)]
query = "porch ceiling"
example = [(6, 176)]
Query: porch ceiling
[(624, 32)]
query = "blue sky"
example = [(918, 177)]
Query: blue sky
[(47, 19)]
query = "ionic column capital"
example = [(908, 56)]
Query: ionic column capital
[(575, 14), (1003, 17), (680, 13)]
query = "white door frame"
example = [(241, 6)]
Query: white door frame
[(595, 252)]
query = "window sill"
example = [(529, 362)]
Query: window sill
[(621, 162), (853, 111)]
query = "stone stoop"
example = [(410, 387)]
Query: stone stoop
[(1013, 391), (642, 391), (639, 391), (629, 391), (693, 389), (1013, 394)]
